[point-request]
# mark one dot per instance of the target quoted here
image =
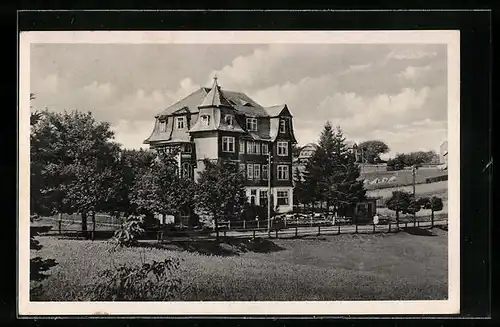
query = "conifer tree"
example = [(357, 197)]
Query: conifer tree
[(331, 173)]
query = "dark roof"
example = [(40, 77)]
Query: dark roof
[(204, 96), (215, 97)]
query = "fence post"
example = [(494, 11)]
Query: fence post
[(276, 233), (415, 223), (224, 233), (254, 233), (229, 224), (258, 224), (406, 224), (356, 228), (319, 230), (418, 224), (297, 220), (338, 226), (285, 220), (373, 228), (312, 220), (244, 224), (389, 227), (296, 231)]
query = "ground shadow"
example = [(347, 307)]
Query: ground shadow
[(226, 246), (418, 231)]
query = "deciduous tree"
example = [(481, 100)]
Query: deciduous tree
[(220, 191), (399, 202), (372, 150)]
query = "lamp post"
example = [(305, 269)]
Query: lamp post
[(269, 157)]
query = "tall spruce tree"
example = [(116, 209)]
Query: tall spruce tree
[(345, 190), (331, 173)]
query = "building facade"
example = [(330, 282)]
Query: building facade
[(212, 123)]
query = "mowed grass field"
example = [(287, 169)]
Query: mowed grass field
[(397, 266)]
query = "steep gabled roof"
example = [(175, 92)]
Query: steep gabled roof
[(215, 98), (275, 111)]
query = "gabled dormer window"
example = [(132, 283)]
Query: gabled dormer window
[(205, 120), (252, 124), (180, 122), (163, 126), (282, 126)]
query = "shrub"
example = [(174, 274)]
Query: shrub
[(128, 232), (154, 281)]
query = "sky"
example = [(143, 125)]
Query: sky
[(395, 93)]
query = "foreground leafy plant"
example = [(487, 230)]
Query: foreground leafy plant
[(128, 232), (155, 281)]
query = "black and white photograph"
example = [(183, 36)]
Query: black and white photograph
[(239, 172)]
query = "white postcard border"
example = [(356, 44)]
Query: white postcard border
[(449, 306)]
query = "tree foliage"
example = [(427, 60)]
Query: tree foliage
[(418, 158), (73, 164), (372, 150), (331, 175), (220, 191), (434, 204), (399, 202), (159, 188)]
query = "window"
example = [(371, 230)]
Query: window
[(253, 192), (256, 171), (265, 171), (205, 120), (229, 120), (187, 148), (282, 197), (263, 198), (242, 169), (282, 148), (250, 171), (265, 149), (180, 122), (163, 125), (282, 172), (242, 147), (253, 147), (227, 144), (186, 170), (252, 124), (282, 126)]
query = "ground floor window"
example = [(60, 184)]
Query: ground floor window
[(263, 198), (282, 197)]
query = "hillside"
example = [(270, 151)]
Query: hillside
[(397, 178)]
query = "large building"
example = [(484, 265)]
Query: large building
[(212, 123)]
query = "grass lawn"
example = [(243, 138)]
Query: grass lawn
[(345, 267)]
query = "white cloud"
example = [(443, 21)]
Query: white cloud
[(411, 54), (413, 73)]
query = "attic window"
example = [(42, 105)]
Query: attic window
[(205, 120), (248, 104), (229, 120), (163, 126)]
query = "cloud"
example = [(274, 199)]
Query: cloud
[(413, 73), (371, 91), (412, 54)]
